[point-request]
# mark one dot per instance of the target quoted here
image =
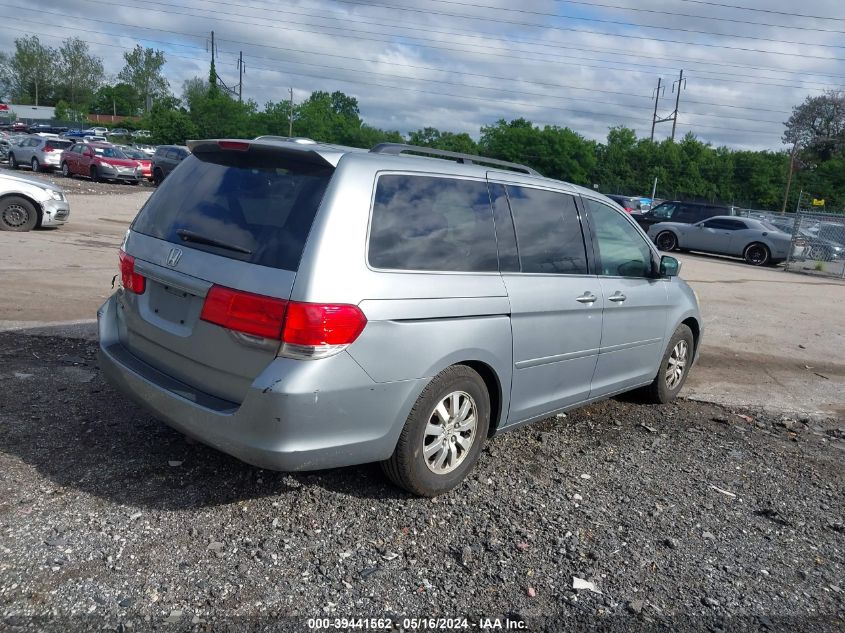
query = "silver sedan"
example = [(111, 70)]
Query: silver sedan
[(758, 242)]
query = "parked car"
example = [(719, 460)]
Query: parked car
[(120, 131), (821, 249), (100, 161), (678, 211), (98, 131), (165, 160), (38, 152), (149, 150), (141, 158), (758, 242), (142, 134), (27, 203), (631, 204), (267, 287), (93, 138), (4, 149)]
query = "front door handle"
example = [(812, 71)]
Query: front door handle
[(617, 297), (587, 297)]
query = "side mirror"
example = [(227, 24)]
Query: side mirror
[(669, 266)]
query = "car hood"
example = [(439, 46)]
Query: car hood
[(31, 181)]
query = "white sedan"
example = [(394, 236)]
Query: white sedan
[(26, 203)]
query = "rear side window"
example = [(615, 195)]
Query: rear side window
[(432, 223), (58, 144), (256, 208), (548, 231)]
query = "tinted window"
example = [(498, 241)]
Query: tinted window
[(430, 223), (728, 225), (261, 204), (622, 250), (58, 144), (664, 211), (548, 231)]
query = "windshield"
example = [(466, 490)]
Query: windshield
[(108, 152), (663, 211), (134, 153)]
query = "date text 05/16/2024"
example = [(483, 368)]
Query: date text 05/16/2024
[(418, 624)]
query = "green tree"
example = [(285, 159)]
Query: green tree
[(120, 99), (81, 73), (170, 125), (33, 72), (143, 71), (6, 84), (818, 125), (450, 141)]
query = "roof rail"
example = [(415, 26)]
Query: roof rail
[(396, 149)]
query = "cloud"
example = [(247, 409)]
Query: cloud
[(458, 65)]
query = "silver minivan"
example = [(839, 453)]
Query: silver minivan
[(305, 306)]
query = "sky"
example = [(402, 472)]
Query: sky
[(458, 65)]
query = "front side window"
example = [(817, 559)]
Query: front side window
[(548, 231), (622, 250), (664, 211), (432, 223)]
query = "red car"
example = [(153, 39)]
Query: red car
[(100, 161), (143, 160)]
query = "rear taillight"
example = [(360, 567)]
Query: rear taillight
[(244, 312), (307, 330), (48, 149), (129, 279), (629, 209), (238, 146)]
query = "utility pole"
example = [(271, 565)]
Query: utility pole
[(290, 115), (241, 71), (656, 99), (680, 81), (789, 177)]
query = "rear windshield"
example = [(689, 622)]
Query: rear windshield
[(259, 211), (58, 144)]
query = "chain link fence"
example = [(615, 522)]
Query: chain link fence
[(818, 239)]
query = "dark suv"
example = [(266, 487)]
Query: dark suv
[(165, 160), (679, 211)]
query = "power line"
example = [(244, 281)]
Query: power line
[(621, 23), (465, 84), (508, 41), (772, 11), (346, 32), (791, 27)]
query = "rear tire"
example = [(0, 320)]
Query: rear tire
[(17, 214), (674, 367), (443, 435), (757, 254), (666, 241), (36, 167)]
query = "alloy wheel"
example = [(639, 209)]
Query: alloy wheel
[(677, 364), (450, 432)]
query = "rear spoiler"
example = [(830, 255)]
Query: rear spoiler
[(245, 153)]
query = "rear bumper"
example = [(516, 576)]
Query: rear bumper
[(297, 415)]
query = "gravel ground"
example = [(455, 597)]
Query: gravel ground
[(685, 517), (78, 184)]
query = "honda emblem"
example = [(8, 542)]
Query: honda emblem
[(174, 256)]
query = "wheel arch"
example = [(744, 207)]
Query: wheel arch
[(494, 388), (28, 198), (695, 327)]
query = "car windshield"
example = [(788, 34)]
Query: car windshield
[(134, 153), (663, 211), (108, 152)]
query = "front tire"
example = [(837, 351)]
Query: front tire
[(158, 177), (13, 162), (443, 435), (674, 367), (66, 170), (17, 214), (95, 175), (666, 241), (757, 254)]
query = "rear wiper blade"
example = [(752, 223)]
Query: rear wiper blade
[(190, 236)]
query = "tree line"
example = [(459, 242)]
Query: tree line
[(71, 78)]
